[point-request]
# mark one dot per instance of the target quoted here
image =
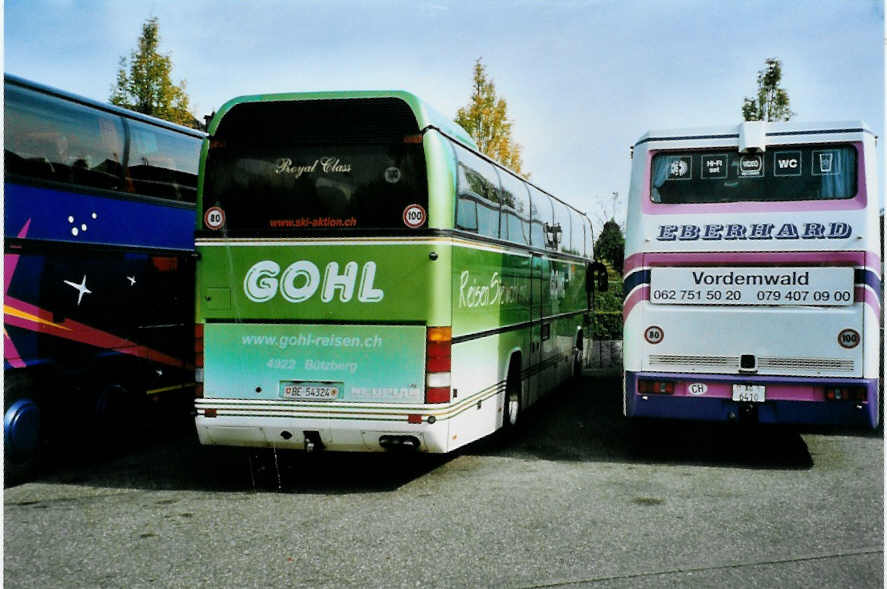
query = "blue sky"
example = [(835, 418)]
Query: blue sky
[(583, 78)]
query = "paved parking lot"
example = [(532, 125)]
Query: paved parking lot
[(579, 497)]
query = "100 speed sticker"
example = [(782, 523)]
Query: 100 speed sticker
[(414, 216)]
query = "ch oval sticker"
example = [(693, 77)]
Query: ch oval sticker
[(697, 388)]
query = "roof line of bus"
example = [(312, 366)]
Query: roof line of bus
[(110, 108), (777, 129), (478, 153), (425, 114)]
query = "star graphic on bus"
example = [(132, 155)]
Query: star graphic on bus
[(81, 288)]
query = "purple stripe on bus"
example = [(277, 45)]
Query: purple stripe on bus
[(711, 408)]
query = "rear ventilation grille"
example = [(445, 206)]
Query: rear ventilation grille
[(713, 361), (805, 364), (765, 365)]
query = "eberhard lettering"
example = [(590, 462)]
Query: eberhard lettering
[(734, 231)]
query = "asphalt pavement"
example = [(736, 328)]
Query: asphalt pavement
[(579, 496)]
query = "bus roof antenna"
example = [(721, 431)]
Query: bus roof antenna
[(753, 137)]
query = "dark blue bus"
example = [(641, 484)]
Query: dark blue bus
[(98, 270)]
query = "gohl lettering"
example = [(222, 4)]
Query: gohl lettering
[(302, 279)]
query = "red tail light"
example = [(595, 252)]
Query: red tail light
[(437, 394), (655, 387), (165, 263), (857, 394), (438, 357), (198, 351), (438, 361)]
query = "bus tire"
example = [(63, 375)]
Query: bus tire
[(22, 429), (512, 406)]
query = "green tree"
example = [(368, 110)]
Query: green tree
[(144, 85), (610, 245), (771, 102), (485, 118)]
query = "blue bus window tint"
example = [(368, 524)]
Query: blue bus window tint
[(562, 218), (541, 216), (477, 191), (162, 163), (48, 138), (782, 173), (515, 209)]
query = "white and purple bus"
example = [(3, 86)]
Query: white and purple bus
[(753, 275)]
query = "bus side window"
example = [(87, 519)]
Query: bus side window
[(515, 209), (541, 218), (563, 215), (466, 214), (49, 139), (589, 238), (162, 163), (477, 193)]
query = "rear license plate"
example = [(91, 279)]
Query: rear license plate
[(749, 393), (310, 391)]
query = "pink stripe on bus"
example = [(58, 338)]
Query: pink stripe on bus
[(642, 293), (868, 259)]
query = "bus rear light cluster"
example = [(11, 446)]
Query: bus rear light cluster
[(438, 361), (198, 345), (856, 394), (198, 360), (655, 387)]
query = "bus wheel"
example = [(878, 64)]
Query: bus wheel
[(22, 436), (512, 409)]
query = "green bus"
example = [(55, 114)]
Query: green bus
[(367, 280)]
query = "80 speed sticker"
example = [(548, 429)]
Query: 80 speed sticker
[(414, 216), (214, 218)]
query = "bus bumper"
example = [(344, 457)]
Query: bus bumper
[(225, 424), (787, 399)]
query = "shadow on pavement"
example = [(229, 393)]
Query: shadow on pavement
[(585, 423), (578, 423), (165, 454)]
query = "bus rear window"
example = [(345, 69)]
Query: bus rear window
[(788, 173), (316, 165)]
